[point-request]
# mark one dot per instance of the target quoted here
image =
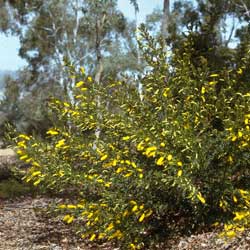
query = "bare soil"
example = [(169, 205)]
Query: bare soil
[(23, 226)]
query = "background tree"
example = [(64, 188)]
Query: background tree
[(80, 32)]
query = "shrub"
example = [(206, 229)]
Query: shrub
[(137, 160)]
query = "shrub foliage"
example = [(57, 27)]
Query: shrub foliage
[(138, 158)]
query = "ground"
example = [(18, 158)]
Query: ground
[(22, 227)]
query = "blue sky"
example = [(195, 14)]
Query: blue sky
[(9, 59)]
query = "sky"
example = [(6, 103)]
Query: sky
[(9, 46)]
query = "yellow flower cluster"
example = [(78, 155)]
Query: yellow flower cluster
[(23, 145), (241, 218), (242, 136), (164, 159)]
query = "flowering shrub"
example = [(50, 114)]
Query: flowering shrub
[(137, 159)]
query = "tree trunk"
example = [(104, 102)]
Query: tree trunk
[(99, 70), (165, 19)]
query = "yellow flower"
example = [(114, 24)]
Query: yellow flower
[(68, 218), (37, 182), (125, 138), (22, 144), (140, 146), (202, 200), (179, 173), (234, 138), (230, 159), (79, 84), (101, 236), (132, 246), (104, 157), (170, 157), (90, 215), (36, 173), (117, 234), (203, 90), (133, 202), (240, 215), (60, 143), (241, 229), (100, 181), (62, 206), (110, 227), (28, 160), (24, 157), (160, 161), (84, 89), (214, 75), (235, 199), (83, 236), (108, 184), (179, 163), (133, 165), (230, 234), (19, 152), (125, 213), (239, 71), (128, 174), (61, 173), (66, 104), (142, 217), (25, 137), (135, 208), (90, 79), (119, 170), (243, 192), (114, 163), (93, 236), (228, 227), (82, 70), (212, 82), (71, 206), (52, 132), (165, 92), (151, 154), (36, 164), (150, 151)]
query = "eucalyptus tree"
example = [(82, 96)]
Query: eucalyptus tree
[(93, 34)]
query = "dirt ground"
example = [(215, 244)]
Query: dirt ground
[(22, 228)]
